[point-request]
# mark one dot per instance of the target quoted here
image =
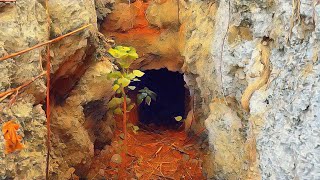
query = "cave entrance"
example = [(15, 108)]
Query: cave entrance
[(172, 98)]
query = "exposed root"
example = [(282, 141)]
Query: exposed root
[(45, 43), (265, 54), (5, 94)]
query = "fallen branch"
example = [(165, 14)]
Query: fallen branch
[(45, 43), (10, 92), (162, 176), (178, 149), (156, 153), (4, 97)]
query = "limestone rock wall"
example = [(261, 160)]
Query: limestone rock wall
[(223, 53), (221, 46), (24, 24)]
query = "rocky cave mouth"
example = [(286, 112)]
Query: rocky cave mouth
[(172, 98)]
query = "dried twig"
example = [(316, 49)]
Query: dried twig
[(45, 43), (10, 92), (13, 98), (156, 153), (4, 97), (163, 176), (178, 149)]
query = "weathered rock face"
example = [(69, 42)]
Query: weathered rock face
[(267, 50), (24, 24), (145, 26), (71, 128), (284, 114)]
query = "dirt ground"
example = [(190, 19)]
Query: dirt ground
[(152, 153)]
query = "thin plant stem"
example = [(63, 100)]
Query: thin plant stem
[(124, 121)]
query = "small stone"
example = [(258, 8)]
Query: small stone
[(106, 147), (194, 161), (185, 157), (138, 175), (96, 152), (121, 136), (116, 158), (101, 172)]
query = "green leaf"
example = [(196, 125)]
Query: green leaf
[(133, 55), (119, 91), (154, 98), (123, 48), (178, 118), (124, 82), (118, 111), (121, 136), (123, 52), (138, 73), (115, 87), (114, 102), (125, 63), (113, 52), (132, 87), (114, 75), (118, 53), (131, 76), (150, 93), (129, 125), (135, 129), (130, 107), (148, 100), (140, 97)]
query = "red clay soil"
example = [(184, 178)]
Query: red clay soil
[(152, 154)]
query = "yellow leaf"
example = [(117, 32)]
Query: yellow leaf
[(124, 82), (115, 87), (138, 73), (178, 118)]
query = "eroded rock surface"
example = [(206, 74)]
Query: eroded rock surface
[(285, 112), (24, 24), (216, 44)]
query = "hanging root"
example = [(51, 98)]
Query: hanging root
[(45, 43), (5, 94), (265, 54)]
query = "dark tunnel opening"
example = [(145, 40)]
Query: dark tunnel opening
[(172, 98)]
